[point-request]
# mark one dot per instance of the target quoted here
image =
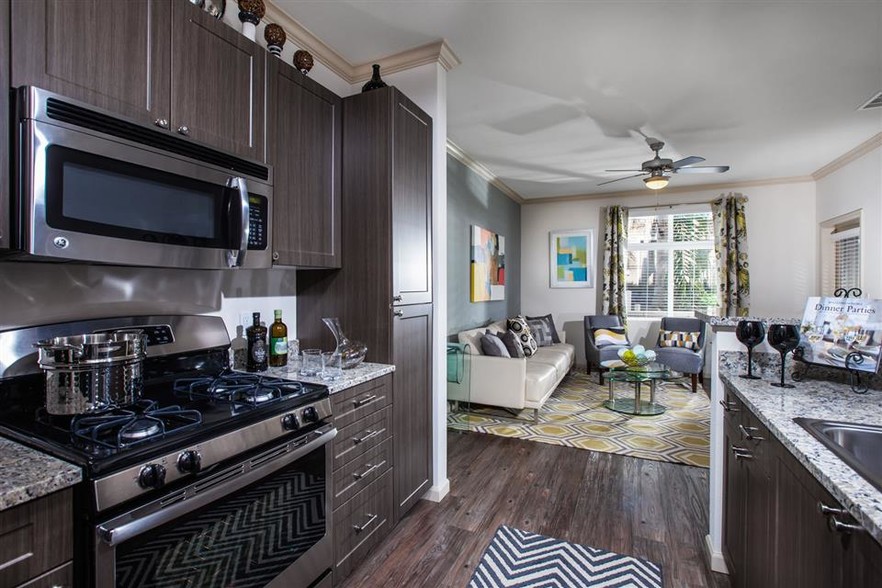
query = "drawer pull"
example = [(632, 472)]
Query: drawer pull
[(370, 435), (829, 510), (363, 401), (359, 529), (741, 452), (747, 432), (838, 526), (14, 561), (360, 475), (729, 406)]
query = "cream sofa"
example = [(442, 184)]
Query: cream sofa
[(514, 383)]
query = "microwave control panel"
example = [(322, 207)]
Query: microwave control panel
[(257, 221)]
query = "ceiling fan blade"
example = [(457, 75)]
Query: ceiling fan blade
[(703, 169), (692, 159), (620, 179), (624, 171)]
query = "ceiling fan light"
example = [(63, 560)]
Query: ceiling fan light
[(656, 182)]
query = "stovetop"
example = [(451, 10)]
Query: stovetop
[(173, 412)]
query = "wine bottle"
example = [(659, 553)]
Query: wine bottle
[(256, 335), (278, 341)]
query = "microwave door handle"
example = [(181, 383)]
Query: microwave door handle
[(237, 258)]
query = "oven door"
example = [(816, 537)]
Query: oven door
[(262, 522), (97, 198)]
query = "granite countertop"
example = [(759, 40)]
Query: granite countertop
[(732, 321), (363, 372), (819, 399), (30, 474)]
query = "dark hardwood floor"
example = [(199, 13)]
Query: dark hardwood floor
[(631, 506)]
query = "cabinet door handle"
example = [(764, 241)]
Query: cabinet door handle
[(398, 312), (370, 435), (363, 401), (741, 452), (16, 560), (360, 475), (359, 529), (729, 406), (829, 510), (397, 298), (184, 130), (838, 526), (747, 432)]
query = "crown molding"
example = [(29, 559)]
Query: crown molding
[(843, 160), (435, 52), (674, 191), (479, 168)]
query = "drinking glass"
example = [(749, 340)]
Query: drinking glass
[(332, 365), (311, 362), (784, 338), (751, 334)]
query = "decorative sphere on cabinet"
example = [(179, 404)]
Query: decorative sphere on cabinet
[(275, 38), (303, 61), (251, 11)]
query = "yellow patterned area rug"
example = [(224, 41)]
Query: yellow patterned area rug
[(574, 417)]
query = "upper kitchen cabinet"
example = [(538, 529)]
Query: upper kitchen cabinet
[(112, 54), (162, 62), (304, 134), (217, 83), (5, 185)]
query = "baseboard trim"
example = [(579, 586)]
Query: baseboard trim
[(438, 492), (715, 558)]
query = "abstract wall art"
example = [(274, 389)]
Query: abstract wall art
[(487, 265), (571, 257)]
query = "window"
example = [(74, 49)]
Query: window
[(671, 268), (841, 253)]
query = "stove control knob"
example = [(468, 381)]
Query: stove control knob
[(289, 422), (310, 414), (190, 462), (152, 476)]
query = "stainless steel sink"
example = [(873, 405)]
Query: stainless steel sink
[(860, 446)]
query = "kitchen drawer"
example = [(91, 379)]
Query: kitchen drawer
[(360, 436), (61, 576), (359, 401), (35, 537), (361, 523), (352, 478)]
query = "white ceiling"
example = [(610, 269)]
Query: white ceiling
[(552, 93)]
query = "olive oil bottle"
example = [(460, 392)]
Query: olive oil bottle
[(278, 341), (257, 355)]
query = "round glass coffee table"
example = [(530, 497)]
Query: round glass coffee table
[(648, 374)]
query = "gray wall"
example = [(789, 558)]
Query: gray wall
[(471, 200)]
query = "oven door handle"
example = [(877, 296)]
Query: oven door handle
[(130, 525), (237, 258)]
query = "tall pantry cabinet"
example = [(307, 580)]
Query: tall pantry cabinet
[(383, 293)]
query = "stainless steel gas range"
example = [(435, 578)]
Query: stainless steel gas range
[(211, 478)]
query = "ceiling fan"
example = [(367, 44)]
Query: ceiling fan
[(657, 168)]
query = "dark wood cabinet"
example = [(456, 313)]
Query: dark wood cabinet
[(412, 350), (5, 138), (774, 530), (304, 129), (36, 541), (162, 62)]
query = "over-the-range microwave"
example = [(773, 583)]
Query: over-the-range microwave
[(95, 187)]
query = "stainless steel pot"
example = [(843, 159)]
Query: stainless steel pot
[(89, 373)]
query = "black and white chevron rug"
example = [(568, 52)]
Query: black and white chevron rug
[(518, 559)]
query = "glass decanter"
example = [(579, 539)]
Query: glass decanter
[(352, 353)]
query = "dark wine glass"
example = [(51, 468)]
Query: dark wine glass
[(751, 334), (784, 338)]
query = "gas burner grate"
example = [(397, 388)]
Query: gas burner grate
[(242, 390), (120, 428)]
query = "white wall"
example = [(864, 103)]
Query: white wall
[(782, 244), (858, 185)]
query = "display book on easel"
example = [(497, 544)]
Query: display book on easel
[(842, 333)]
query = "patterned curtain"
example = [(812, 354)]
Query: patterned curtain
[(615, 255), (730, 246)]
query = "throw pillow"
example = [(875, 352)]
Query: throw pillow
[(522, 330), (512, 343), (549, 322), (493, 346), (685, 339), (610, 336), (540, 332)]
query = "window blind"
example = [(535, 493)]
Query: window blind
[(846, 259)]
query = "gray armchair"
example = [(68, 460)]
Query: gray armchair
[(680, 359), (594, 355)]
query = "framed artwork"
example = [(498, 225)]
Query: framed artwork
[(487, 265), (571, 254)]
